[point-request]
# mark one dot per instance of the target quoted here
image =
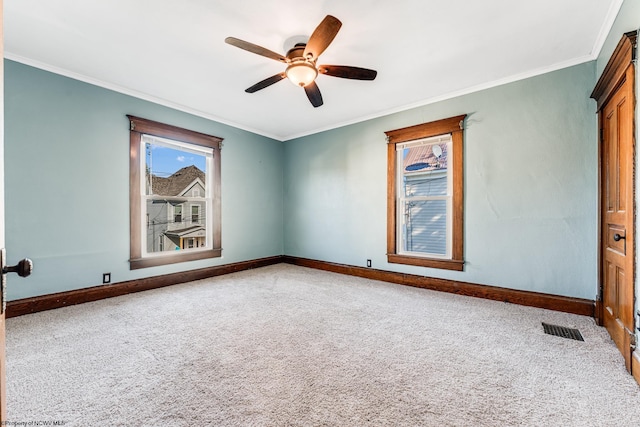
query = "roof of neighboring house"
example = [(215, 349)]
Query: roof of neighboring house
[(175, 184), (421, 159), (189, 231)]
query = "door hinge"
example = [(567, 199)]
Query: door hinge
[(601, 134), (600, 293)]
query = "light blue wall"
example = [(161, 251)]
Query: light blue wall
[(67, 183), (530, 187), (530, 184), (628, 19)]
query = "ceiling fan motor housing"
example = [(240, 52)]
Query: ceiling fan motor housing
[(296, 52)]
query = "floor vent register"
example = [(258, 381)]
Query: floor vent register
[(561, 331)]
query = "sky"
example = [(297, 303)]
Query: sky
[(164, 161)]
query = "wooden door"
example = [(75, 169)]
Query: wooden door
[(617, 220), (617, 147)]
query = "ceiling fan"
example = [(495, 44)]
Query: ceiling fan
[(302, 69)]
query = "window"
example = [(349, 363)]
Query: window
[(177, 214), (425, 195), (195, 214), (166, 164)]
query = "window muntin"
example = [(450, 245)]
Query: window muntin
[(424, 203), (192, 149)]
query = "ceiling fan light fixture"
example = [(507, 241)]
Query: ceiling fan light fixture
[(301, 73)]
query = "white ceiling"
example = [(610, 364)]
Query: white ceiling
[(173, 52)]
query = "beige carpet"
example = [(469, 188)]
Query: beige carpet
[(290, 346)]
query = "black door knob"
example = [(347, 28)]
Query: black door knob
[(617, 237), (23, 268)]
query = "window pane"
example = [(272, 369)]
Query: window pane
[(424, 170), (166, 233), (174, 171), (425, 186), (425, 227), (176, 202)]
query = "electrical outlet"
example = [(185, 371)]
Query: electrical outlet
[(106, 278), (368, 263)]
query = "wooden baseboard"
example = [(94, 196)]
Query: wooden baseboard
[(79, 296), (579, 306), (62, 299), (635, 365)]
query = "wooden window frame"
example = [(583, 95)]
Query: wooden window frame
[(139, 127), (455, 127)]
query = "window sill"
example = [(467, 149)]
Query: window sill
[(444, 264), (137, 263)]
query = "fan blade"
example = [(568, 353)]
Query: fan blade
[(322, 36), (313, 93), (265, 83), (254, 48), (346, 72)]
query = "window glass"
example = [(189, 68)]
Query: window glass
[(424, 190), (175, 173)]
